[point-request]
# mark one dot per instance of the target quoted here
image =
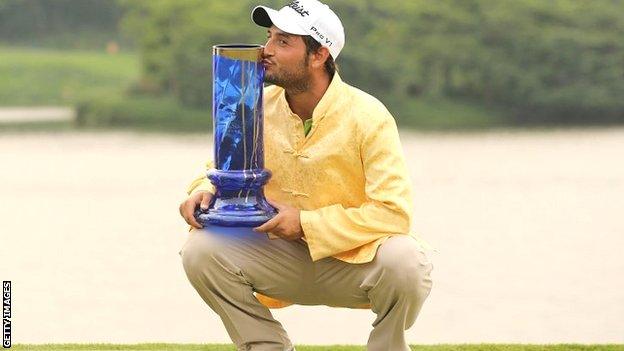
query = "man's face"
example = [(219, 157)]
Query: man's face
[(285, 60)]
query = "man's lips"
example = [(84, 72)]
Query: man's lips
[(266, 63)]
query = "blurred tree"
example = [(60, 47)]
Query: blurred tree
[(32, 21), (176, 39), (545, 61)]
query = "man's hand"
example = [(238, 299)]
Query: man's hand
[(188, 206), (286, 224)]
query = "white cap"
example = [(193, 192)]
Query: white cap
[(305, 17)]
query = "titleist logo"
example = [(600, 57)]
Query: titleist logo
[(295, 5)]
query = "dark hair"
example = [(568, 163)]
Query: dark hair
[(313, 46)]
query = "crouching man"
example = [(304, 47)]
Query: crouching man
[(341, 187)]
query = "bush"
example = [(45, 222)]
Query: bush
[(141, 113)]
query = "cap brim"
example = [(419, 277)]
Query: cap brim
[(266, 17)]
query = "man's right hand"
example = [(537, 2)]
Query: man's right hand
[(188, 207)]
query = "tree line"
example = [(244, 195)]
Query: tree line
[(559, 61)]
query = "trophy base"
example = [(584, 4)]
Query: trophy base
[(239, 200), (232, 219), (236, 212)]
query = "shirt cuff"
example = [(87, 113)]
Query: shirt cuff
[(204, 186), (308, 219)]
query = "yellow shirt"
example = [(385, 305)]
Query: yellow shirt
[(348, 175)]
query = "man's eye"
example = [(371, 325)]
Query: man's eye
[(283, 42)]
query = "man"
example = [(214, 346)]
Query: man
[(341, 187)]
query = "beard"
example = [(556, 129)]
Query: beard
[(296, 79)]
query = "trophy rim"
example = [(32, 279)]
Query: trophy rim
[(237, 46), (245, 52)]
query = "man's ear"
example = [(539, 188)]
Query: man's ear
[(319, 57)]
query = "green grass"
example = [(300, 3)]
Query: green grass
[(83, 39), (223, 347), (29, 127), (35, 77)]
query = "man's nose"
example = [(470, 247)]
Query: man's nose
[(267, 51)]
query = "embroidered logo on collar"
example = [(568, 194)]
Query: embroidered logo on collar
[(295, 5)]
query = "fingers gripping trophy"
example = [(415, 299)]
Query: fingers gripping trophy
[(239, 174)]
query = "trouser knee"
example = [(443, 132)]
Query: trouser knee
[(406, 267), (202, 253)]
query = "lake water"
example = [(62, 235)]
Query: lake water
[(529, 226)]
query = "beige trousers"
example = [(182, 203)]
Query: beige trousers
[(226, 265)]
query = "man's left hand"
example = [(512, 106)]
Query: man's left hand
[(286, 224)]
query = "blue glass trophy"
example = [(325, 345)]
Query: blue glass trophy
[(237, 113)]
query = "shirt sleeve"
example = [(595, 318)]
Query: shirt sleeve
[(202, 183), (334, 229)]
